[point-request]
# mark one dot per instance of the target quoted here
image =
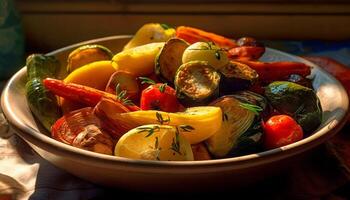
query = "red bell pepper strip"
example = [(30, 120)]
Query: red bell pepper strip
[(274, 71)]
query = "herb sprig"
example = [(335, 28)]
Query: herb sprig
[(145, 80), (160, 118), (122, 96), (254, 108), (150, 130), (175, 145)]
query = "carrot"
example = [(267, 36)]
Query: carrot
[(246, 52), (80, 93), (277, 70), (193, 35)]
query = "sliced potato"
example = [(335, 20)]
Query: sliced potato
[(139, 61), (154, 142), (206, 51)]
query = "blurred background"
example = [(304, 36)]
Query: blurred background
[(48, 25), (52, 24)]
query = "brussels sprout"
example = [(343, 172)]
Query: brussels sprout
[(297, 101)]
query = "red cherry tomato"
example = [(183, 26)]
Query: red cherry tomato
[(281, 130), (159, 97)]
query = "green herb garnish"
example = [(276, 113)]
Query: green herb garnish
[(160, 118), (186, 128), (254, 108), (122, 96), (175, 145), (162, 87), (147, 80), (150, 130)]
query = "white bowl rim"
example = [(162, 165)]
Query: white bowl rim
[(258, 158)]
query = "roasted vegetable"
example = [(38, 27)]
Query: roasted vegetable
[(196, 124), (102, 110), (154, 142), (240, 131), (139, 61), (193, 35), (206, 51), (200, 152), (169, 59), (159, 96), (248, 48), (82, 129), (123, 81), (41, 101), (87, 54), (85, 95), (149, 33), (196, 83), (297, 101), (275, 71), (281, 130), (95, 74), (236, 76)]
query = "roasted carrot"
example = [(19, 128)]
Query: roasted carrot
[(193, 35), (273, 71), (80, 93), (246, 52)]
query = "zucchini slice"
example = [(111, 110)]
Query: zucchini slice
[(196, 83), (41, 101), (169, 59), (240, 130), (236, 76)]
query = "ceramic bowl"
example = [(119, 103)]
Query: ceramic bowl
[(167, 176)]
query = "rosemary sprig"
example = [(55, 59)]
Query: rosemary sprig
[(147, 80), (122, 96), (160, 118), (150, 130), (157, 148), (254, 108), (186, 128), (152, 82), (175, 145)]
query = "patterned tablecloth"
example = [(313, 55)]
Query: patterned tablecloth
[(323, 175)]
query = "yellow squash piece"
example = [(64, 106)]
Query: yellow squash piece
[(149, 33), (154, 142), (196, 124), (139, 61), (87, 54), (95, 74)]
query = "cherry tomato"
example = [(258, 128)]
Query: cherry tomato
[(281, 130), (159, 97)]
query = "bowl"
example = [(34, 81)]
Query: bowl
[(157, 176)]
